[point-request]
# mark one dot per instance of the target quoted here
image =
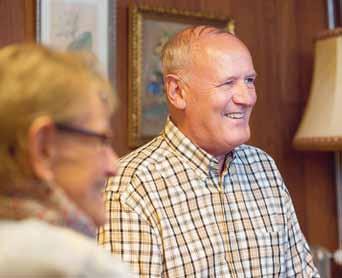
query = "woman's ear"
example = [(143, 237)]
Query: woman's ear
[(41, 147), (174, 92)]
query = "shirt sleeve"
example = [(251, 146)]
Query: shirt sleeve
[(299, 262), (130, 236)]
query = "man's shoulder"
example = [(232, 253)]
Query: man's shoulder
[(144, 157), (251, 154), (257, 162), (138, 164)]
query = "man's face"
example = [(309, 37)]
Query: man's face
[(85, 163), (220, 95)]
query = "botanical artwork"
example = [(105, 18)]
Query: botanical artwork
[(76, 28), (154, 108), (76, 25)]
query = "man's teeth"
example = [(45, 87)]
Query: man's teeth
[(235, 115)]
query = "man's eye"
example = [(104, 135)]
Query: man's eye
[(226, 83), (229, 83), (250, 81)]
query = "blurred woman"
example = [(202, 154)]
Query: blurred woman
[(55, 155)]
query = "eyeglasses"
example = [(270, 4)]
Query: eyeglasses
[(104, 139)]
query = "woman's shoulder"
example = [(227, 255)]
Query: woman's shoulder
[(35, 247)]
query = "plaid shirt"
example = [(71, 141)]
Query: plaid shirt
[(172, 215)]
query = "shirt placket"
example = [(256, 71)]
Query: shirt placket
[(224, 216)]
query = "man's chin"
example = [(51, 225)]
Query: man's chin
[(232, 144)]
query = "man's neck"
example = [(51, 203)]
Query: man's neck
[(221, 162)]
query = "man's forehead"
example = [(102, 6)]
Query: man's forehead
[(221, 39), (218, 44)]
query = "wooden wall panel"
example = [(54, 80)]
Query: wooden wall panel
[(17, 21)]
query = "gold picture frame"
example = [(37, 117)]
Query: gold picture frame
[(149, 29)]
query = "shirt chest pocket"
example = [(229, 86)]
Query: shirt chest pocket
[(258, 254)]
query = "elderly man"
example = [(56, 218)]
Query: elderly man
[(195, 201)]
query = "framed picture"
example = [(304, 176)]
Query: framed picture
[(79, 25), (149, 30)]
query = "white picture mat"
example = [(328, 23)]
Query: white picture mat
[(84, 23)]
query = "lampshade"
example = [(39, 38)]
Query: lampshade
[(321, 125)]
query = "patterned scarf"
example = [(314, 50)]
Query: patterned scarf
[(55, 208)]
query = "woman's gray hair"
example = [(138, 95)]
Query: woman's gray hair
[(37, 81)]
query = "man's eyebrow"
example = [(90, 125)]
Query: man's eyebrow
[(252, 74)]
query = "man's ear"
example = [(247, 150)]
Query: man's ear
[(174, 91), (41, 147)]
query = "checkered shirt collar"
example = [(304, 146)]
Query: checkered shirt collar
[(203, 162)]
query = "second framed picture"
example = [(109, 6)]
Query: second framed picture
[(150, 28)]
